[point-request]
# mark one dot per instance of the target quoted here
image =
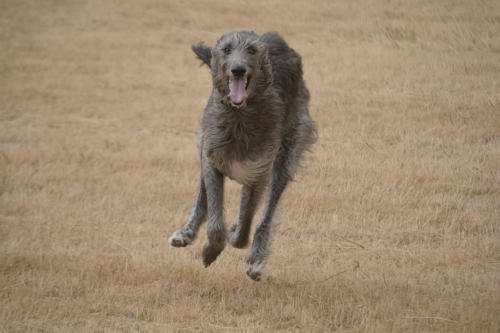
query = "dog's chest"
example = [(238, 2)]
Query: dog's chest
[(247, 172)]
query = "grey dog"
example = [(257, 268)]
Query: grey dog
[(254, 130)]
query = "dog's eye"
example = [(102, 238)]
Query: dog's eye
[(226, 50), (251, 50)]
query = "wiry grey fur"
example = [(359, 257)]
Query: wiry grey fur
[(257, 142)]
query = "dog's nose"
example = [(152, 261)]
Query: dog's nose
[(238, 70)]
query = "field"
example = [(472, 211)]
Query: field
[(392, 225)]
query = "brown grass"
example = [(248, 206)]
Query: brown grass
[(394, 224)]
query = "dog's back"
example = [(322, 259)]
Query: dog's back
[(286, 67), (288, 82)]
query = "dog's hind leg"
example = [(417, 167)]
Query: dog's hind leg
[(284, 167), (187, 233), (250, 198), (279, 179), (216, 231)]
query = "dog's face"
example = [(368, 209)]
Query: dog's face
[(240, 67)]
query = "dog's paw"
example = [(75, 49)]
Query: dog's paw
[(256, 271), (235, 239), (179, 239), (210, 253)]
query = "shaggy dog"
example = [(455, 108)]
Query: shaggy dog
[(254, 130)]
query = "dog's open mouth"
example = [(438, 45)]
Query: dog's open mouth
[(238, 89)]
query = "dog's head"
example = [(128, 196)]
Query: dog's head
[(240, 67)]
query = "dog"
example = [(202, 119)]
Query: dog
[(254, 130)]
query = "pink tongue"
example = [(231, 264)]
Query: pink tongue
[(237, 91)]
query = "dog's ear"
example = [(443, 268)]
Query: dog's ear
[(204, 53)]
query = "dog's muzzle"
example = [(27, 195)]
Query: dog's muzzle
[(238, 84)]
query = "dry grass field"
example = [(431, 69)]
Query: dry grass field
[(393, 224)]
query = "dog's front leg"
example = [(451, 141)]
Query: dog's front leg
[(187, 233), (216, 230)]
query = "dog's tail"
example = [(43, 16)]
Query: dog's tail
[(204, 53)]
